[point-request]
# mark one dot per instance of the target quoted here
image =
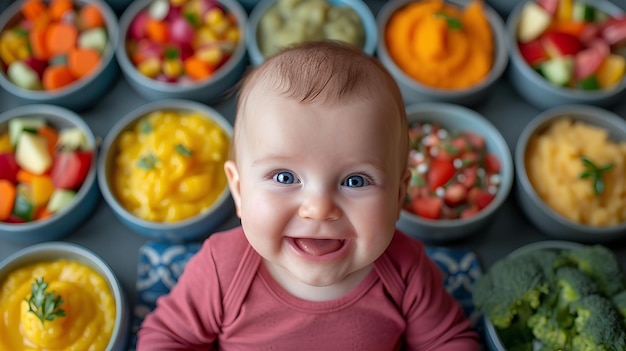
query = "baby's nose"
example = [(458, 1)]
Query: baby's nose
[(320, 206)]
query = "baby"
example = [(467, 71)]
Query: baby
[(318, 174)]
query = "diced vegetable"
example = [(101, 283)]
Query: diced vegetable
[(60, 199), (70, 168), (533, 21), (95, 38), (583, 12), (42, 189), (31, 153), (558, 70), (7, 198), (23, 207), (533, 52), (8, 167), (560, 43), (23, 76), (23, 124), (611, 70), (72, 139)]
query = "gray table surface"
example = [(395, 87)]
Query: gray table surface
[(119, 246)]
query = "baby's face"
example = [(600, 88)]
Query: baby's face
[(318, 187)]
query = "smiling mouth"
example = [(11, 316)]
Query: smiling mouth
[(318, 247)]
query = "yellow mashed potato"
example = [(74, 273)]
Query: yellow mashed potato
[(88, 304), (170, 167), (554, 166)]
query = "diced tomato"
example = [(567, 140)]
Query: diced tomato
[(470, 175), (460, 143), (477, 141), (533, 52), (588, 61), (428, 207), (560, 43), (590, 33), (455, 194), (469, 212), (70, 168), (470, 158), (548, 5), (480, 198), (8, 167), (440, 172), (492, 163)]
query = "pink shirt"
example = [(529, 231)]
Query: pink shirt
[(227, 300)]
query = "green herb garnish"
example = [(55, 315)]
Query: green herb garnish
[(145, 127), (452, 22), (595, 173), (44, 304), (182, 150), (147, 162), (192, 19), (171, 53)]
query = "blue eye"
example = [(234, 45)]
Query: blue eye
[(355, 182), (285, 178)]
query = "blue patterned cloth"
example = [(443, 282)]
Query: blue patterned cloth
[(160, 265)]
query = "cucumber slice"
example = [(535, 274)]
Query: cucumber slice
[(558, 70), (95, 38), (583, 12), (23, 124), (23, 206), (71, 139), (60, 199)]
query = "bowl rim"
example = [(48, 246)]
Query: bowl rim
[(58, 250), (583, 96), (500, 62), (90, 181), (361, 8), (544, 119), (43, 96), (128, 69), (490, 332), (108, 146), (506, 183)]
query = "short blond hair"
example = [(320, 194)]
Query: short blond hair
[(325, 72)]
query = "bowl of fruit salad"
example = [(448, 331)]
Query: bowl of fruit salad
[(461, 172), (447, 51), (276, 24), (59, 52), (47, 173), (164, 185), (190, 49), (567, 52), (570, 164)]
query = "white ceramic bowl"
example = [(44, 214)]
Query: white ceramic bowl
[(196, 227), (414, 91), (87, 197), (362, 9), (537, 90), (52, 251), (540, 214), (206, 90), (85, 92), (459, 118)]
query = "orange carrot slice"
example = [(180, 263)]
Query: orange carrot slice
[(51, 135), (157, 31), (90, 17), (37, 38), (61, 38), (58, 8), (56, 77), (7, 198), (81, 62), (33, 9), (43, 213), (197, 69), (24, 176)]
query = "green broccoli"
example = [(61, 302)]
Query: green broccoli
[(601, 264), (572, 285), (514, 286), (619, 300), (597, 325), (546, 326)]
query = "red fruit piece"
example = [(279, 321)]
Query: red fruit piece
[(533, 52), (8, 167), (428, 207), (137, 28), (561, 44), (440, 172), (70, 168), (614, 30), (589, 60), (548, 5), (455, 194), (479, 197)]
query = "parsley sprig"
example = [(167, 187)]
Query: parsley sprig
[(45, 305), (452, 22), (595, 173)]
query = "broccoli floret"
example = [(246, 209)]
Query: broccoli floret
[(601, 264), (548, 327), (512, 286), (598, 325), (573, 284), (619, 301)]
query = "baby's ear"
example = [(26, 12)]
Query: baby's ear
[(232, 175)]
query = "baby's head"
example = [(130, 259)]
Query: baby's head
[(319, 161)]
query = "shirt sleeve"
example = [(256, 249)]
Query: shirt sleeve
[(188, 317), (435, 320)]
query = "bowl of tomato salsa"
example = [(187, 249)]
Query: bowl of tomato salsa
[(47, 173), (461, 172)]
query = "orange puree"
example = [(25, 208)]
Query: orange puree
[(441, 45)]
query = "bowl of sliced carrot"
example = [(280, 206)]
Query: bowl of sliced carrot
[(59, 52), (47, 173), (446, 51), (190, 49)]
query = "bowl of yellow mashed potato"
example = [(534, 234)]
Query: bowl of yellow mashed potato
[(442, 51), (570, 164), (161, 170), (61, 296)]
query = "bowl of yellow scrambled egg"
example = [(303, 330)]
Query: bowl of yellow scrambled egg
[(161, 169), (61, 296)]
